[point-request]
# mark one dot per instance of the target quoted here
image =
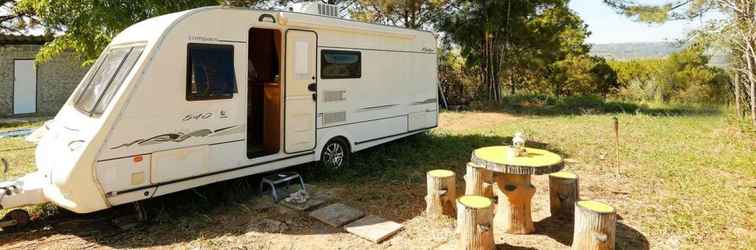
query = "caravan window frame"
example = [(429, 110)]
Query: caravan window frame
[(324, 64), (117, 74), (220, 48)]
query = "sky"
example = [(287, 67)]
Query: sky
[(607, 26)]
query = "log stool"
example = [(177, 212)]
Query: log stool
[(563, 193), (595, 225), (474, 218), (478, 181), (442, 191)]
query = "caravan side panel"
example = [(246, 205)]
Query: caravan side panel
[(180, 163)]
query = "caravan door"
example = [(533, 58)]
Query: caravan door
[(300, 91)]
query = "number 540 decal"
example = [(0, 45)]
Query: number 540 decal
[(199, 116)]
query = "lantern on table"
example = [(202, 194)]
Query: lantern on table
[(518, 145)]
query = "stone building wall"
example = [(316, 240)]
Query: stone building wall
[(56, 79)]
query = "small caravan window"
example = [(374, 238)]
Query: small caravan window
[(105, 78), (340, 64), (210, 72)]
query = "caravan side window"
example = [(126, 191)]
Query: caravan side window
[(340, 64), (210, 72)]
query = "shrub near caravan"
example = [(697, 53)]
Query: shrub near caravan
[(210, 94)]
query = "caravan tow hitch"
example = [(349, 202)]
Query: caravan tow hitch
[(10, 190), (15, 218)]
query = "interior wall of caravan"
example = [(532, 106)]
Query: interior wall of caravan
[(264, 93)]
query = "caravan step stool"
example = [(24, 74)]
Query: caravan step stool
[(280, 178)]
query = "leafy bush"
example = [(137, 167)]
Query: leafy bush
[(539, 104)]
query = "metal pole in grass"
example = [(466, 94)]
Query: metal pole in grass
[(616, 140)]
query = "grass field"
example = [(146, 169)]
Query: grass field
[(685, 181), (16, 151)]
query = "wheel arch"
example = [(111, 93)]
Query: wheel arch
[(330, 137)]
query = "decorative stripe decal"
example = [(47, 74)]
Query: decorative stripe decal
[(426, 101), (378, 107), (180, 136), (395, 135)]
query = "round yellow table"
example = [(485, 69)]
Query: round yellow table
[(512, 177)]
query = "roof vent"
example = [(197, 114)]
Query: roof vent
[(316, 8)]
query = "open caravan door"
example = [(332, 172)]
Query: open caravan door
[(300, 91)]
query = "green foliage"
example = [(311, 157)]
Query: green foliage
[(408, 13), (682, 77), (14, 20), (482, 30), (659, 13), (546, 105), (458, 82), (533, 46), (583, 75), (88, 25)]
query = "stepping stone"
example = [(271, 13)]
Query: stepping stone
[(373, 228), (337, 214)]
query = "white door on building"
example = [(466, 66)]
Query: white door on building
[(24, 87)]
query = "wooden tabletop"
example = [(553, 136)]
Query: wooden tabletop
[(536, 162)]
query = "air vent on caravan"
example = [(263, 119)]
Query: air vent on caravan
[(316, 8)]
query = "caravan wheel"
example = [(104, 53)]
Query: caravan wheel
[(14, 219), (336, 154)]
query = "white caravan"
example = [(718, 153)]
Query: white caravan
[(211, 94)]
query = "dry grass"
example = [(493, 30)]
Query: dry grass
[(685, 181), (18, 152)]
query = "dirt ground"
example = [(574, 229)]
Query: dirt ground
[(257, 223), (260, 224)]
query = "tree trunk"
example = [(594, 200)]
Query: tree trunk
[(442, 192), (513, 214), (563, 193), (753, 102), (595, 225), (738, 111), (478, 181), (512, 83), (749, 63), (474, 223)]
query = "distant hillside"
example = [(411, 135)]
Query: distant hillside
[(626, 51)]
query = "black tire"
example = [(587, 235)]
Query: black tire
[(336, 154), (20, 216)]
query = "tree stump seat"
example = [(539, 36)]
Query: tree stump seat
[(478, 181), (563, 193), (595, 226), (441, 193), (474, 218)]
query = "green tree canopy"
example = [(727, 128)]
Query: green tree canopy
[(14, 20), (87, 26), (736, 32), (408, 13), (681, 77)]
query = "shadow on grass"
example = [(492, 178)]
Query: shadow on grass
[(387, 180), (561, 230)]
